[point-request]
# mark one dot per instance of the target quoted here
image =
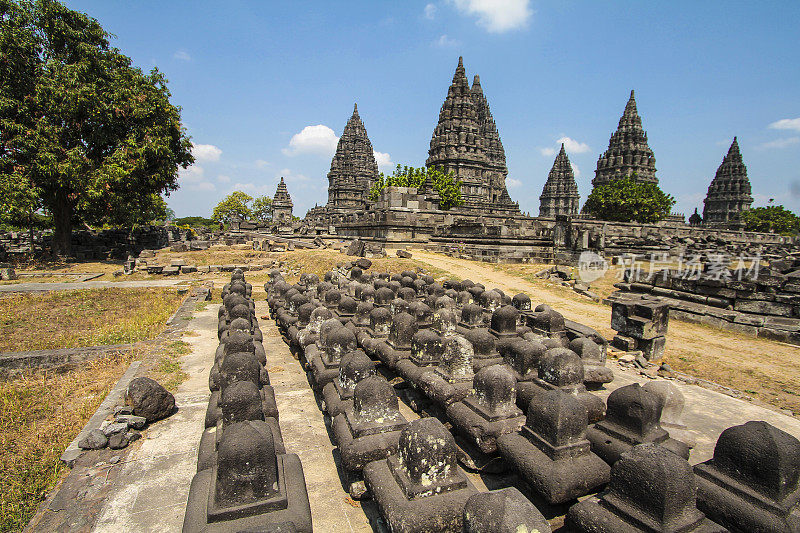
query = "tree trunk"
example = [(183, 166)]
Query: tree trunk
[(62, 219)]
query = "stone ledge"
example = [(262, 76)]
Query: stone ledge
[(12, 362)]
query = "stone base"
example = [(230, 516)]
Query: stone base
[(480, 431), (298, 511), (442, 512), (555, 481), (207, 450), (357, 452), (590, 516)]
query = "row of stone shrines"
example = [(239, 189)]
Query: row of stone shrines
[(509, 379), (466, 142)]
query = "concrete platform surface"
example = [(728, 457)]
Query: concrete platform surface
[(150, 490)]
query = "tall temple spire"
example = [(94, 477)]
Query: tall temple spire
[(729, 192), (466, 142), (282, 204), (353, 167), (560, 194), (628, 151)]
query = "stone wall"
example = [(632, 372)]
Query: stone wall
[(763, 303), (115, 243)]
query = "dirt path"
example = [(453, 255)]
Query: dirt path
[(764, 369)]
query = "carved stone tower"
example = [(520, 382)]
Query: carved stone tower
[(466, 142), (282, 205), (353, 168), (729, 193), (628, 151), (560, 194)]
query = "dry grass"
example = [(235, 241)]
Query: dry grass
[(40, 413), (85, 317)]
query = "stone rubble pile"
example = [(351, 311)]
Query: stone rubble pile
[(146, 401), (763, 302), (502, 386), (246, 480)]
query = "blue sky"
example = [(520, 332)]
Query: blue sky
[(266, 87)]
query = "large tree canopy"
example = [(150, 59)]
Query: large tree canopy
[(629, 200), (445, 184), (235, 205), (771, 219), (84, 135)]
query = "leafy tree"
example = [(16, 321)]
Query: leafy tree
[(262, 209), (84, 135), (235, 205), (629, 200), (445, 184), (169, 214), (771, 219), (195, 222)]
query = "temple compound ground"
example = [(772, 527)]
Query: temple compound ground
[(726, 379)]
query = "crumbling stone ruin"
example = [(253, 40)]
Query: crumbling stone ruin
[(245, 479), (754, 299), (500, 385)]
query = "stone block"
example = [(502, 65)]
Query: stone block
[(652, 349), (503, 511), (187, 269), (651, 490), (623, 342), (551, 451), (751, 483), (369, 429), (632, 417), (490, 410), (250, 487), (421, 488), (763, 307)]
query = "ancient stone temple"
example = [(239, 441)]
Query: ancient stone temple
[(466, 142), (560, 194), (628, 151), (282, 205), (353, 168), (729, 192)]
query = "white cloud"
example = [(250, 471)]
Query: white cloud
[(383, 159), (193, 174), (182, 55), (511, 182), (430, 11), (290, 177), (575, 169), (446, 42), (206, 152), (203, 186), (222, 178), (497, 16), (548, 151), (193, 179), (572, 146), (780, 143), (319, 139), (786, 124), (261, 163), (253, 190)]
